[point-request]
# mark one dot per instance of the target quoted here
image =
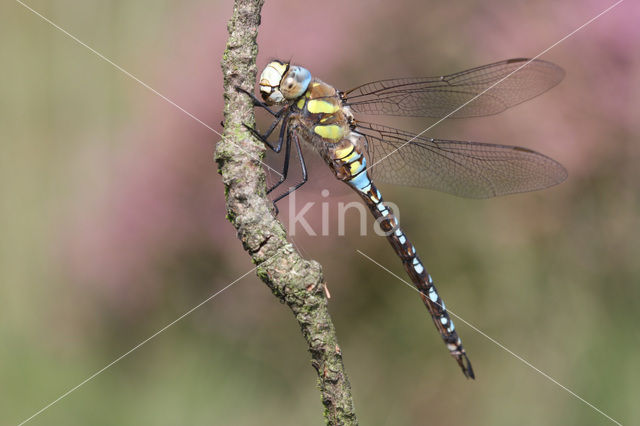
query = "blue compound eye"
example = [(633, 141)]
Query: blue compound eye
[(295, 82)]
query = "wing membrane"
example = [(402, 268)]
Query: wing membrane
[(465, 169), (438, 96)]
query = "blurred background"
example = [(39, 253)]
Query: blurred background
[(113, 222)]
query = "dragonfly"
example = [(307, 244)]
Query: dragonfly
[(359, 153)]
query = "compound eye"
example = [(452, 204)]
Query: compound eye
[(290, 84), (295, 82)]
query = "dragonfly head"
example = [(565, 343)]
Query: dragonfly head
[(281, 82)]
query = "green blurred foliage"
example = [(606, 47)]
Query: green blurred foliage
[(113, 224)]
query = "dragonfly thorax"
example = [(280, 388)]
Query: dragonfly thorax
[(281, 82)]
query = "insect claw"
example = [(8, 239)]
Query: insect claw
[(253, 131), (254, 99)]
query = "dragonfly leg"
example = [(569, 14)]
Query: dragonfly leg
[(263, 138), (287, 155), (302, 165), (280, 115), (257, 102)]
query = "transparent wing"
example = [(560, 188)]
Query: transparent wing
[(438, 96), (465, 169)]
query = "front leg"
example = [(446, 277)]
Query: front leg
[(257, 102), (280, 115), (264, 138)]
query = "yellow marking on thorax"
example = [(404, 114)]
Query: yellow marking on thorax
[(330, 131), (317, 106), (301, 103)]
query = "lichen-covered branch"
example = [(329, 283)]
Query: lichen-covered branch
[(292, 279)]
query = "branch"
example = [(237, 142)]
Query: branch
[(295, 281)]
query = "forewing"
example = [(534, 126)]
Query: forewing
[(438, 96), (465, 169)]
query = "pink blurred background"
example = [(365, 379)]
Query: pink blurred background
[(117, 225)]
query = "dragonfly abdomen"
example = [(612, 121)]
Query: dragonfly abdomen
[(419, 276), (350, 166)]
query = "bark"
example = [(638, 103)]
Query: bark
[(292, 279)]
